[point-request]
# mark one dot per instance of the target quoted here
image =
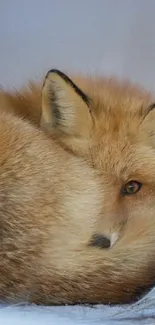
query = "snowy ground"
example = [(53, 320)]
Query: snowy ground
[(140, 313)]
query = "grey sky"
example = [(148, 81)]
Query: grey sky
[(108, 36)]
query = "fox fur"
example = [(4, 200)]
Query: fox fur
[(68, 145)]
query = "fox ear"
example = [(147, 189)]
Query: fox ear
[(65, 108)]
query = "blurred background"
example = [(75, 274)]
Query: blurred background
[(112, 37)]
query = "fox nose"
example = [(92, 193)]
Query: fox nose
[(100, 241)]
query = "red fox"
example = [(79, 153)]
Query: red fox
[(77, 191)]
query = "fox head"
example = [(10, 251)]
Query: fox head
[(112, 127)]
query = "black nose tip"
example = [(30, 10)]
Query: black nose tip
[(100, 241)]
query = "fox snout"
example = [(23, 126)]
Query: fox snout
[(101, 241)]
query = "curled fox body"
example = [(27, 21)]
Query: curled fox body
[(77, 192)]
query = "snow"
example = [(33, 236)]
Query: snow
[(140, 313)]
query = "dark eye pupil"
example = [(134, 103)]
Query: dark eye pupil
[(131, 188)]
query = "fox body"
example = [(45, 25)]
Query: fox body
[(77, 191)]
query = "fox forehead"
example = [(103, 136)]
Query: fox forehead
[(122, 140), (123, 162)]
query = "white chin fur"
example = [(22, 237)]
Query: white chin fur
[(113, 239)]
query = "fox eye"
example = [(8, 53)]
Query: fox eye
[(131, 188)]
